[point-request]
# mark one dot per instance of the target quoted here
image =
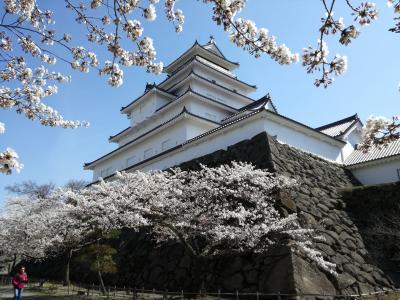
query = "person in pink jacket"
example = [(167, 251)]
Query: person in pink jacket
[(18, 282)]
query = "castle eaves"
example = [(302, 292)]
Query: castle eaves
[(201, 60), (172, 104), (194, 74), (133, 103)]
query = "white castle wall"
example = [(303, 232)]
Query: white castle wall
[(147, 107), (176, 134), (384, 172), (352, 139), (220, 79), (207, 110), (151, 145), (192, 104), (214, 92), (238, 132), (301, 140), (150, 124)]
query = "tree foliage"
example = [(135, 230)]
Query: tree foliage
[(35, 224), (31, 189), (99, 258), (212, 211)]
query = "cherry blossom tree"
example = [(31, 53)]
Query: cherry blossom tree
[(28, 29), (31, 189), (380, 131), (8, 158), (33, 227), (26, 228), (210, 212), (34, 190)]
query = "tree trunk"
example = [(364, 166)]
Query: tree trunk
[(200, 264), (67, 268), (102, 287), (14, 262)]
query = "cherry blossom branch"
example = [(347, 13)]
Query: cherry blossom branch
[(379, 132)]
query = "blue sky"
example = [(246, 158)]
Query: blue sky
[(368, 87)]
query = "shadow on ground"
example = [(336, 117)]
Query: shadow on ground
[(6, 293)]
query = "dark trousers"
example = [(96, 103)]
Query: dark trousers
[(17, 293)]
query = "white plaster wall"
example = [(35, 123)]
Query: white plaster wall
[(224, 138), (220, 79), (161, 100), (378, 173), (207, 89), (176, 134), (232, 135), (148, 106), (193, 105), (197, 127), (140, 129), (352, 139), (205, 146), (207, 110), (303, 141), (347, 150), (145, 109)]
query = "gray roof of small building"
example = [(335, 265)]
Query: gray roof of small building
[(339, 127), (375, 153)]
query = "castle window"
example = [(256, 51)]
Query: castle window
[(131, 161), (106, 172), (109, 171), (166, 144), (148, 153)]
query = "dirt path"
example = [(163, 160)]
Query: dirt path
[(6, 293)]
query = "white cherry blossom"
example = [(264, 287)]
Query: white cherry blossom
[(231, 208), (379, 131)]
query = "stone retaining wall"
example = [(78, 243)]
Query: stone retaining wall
[(376, 211)]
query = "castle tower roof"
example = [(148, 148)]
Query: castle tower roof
[(209, 51)]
